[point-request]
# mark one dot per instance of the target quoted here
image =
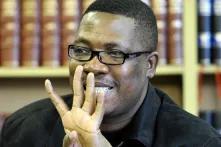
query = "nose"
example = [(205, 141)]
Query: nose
[(95, 66)]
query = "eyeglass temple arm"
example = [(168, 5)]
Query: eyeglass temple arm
[(136, 54)]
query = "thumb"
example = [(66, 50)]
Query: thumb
[(71, 140)]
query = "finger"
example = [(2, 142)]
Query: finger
[(89, 103), (99, 110), (66, 131), (56, 100), (78, 87)]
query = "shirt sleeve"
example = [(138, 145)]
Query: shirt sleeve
[(1, 139), (1, 136), (213, 142)]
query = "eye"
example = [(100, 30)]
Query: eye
[(80, 51), (115, 54)]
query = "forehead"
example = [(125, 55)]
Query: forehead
[(101, 27)]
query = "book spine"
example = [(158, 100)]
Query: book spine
[(69, 23), (160, 10), (10, 33), (216, 29), (204, 31), (50, 33), (175, 24), (30, 33)]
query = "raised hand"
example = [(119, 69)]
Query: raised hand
[(86, 113)]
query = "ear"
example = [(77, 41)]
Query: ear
[(152, 61)]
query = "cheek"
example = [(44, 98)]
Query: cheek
[(128, 85), (130, 78), (73, 65)]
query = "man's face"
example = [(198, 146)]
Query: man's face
[(103, 31)]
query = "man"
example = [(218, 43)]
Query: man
[(111, 61)]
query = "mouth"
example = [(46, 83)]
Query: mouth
[(100, 86), (101, 89)]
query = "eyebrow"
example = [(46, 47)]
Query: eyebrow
[(82, 40), (107, 45), (111, 45)]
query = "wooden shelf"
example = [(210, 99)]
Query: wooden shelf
[(190, 74), (25, 72), (211, 69), (170, 70)]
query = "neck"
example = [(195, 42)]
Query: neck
[(119, 122)]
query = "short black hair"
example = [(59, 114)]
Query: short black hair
[(135, 9)]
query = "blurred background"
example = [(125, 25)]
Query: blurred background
[(34, 35)]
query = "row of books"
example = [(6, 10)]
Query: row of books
[(209, 32), (213, 118), (37, 32), (209, 96), (170, 23)]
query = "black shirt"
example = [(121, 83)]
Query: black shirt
[(159, 122)]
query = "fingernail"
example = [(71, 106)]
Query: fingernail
[(91, 74)]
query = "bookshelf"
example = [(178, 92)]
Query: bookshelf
[(62, 72), (187, 73), (40, 72), (210, 70), (190, 79)]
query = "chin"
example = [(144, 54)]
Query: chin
[(110, 108), (107, 113)]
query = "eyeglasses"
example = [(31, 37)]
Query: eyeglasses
[(112, 57)]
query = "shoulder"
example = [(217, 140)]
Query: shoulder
[(35, 120), (175, 126)]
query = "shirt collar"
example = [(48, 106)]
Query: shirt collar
[(142, 126)]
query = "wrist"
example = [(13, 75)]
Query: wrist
[(96, 140)]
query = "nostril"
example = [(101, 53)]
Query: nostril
[(96, 67)]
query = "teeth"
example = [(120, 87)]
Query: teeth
[(101, 89)]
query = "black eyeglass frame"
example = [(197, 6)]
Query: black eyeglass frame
[(97, 53)]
